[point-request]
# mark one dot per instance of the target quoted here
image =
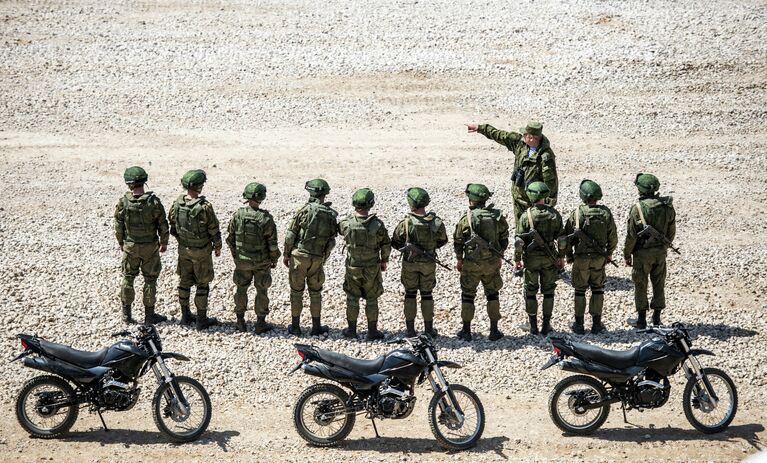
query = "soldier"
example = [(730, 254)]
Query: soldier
[(142, 233), (309, 241), (647, 253), (252, 239), (427, 233), (368, 246), (480, 239), (592, 253), (195, 226), (533, 160), (541, 261)]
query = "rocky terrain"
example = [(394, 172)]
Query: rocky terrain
[(376, 95)]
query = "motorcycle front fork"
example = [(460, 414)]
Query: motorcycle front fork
[(440, 385), (693, 369), (173, 394)]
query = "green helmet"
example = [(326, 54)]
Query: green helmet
[(317, 187), (135, 174), (363, 198), (590, 191), (537, 191), (647, 183), (417, 197), (254, 191), (194, 179), (477, 192)]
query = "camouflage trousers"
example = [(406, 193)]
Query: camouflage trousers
[(589, 272), (144, 258), (363, 283), (195, 268), (419, 276), (260, 275), (487, 272), (306, 271), (649, 263), (539, 273)]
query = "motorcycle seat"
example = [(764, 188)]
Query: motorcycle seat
[(80, 358), (364, 367), (619, 359)]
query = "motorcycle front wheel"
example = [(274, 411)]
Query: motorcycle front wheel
[(170, 417), (699, 408), (455, 432), (321, 415), (567, 401), (37, 411)]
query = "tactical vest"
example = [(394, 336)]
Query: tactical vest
[(321, 226), (423, 233), (595, 222), (545, 221), (483, 222), (362, 241), (192, 232), (137, 216), (656, 212), (250, 226)]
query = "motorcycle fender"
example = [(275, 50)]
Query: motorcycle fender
[(701, 352), (448, 364), (21, 355), (174, 355), (552, 361)]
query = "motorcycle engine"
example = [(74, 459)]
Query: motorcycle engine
[(394, 401), (117, 395), (652, 391)]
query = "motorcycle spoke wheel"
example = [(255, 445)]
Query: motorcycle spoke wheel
[(452, 432), (700, 410), (567, 401), (170, 417), (321, 416), (36, 412)]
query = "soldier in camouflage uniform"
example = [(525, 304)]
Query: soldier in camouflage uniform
[(368, 248), (480, 239), (533, 161), (309, 241), (142, 233), (588, 258), (540, 269), (194, 224), (427, 232), (647, 255), (252, 238)]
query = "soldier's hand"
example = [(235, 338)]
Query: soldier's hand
[(121, 247), (383, 266), (500, 262), (628, 262), (273, 265), (518, 265), (570, 259), (163, 247), (459, 265), (217, 252), (286, 260), (560, 263), (472, 127)]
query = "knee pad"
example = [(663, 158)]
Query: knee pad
[(597, 290), (548, 296), (579, 292), (150, 282), (202, 290), (467, 298), (493, 296), (128, 280), (411, 294), (426, 296)]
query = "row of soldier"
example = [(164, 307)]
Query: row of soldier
[(481, 237)]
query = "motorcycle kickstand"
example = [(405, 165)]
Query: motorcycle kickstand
[(102, 421), (373, 420), (623, 407)]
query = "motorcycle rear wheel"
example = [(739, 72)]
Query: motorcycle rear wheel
[(449, 434), (171, 420), (35, 417), (697, 408), (565, 413), (321, 416)]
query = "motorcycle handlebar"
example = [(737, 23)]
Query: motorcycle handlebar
[(120, 333)]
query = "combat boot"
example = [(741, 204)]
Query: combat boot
[(533, 321), (428, 328), (373, 333), (656, 317), (640, 322), (261, 325), (410, 324), (204, 321), (577, 325), (317, 328), (240, 325), (495, 334), (295, 326), (127, 314), (465, 332), (351, 331), (596, 324), (546, 328), (186, 316), (150, 318)]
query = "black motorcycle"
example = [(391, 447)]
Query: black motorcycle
[(638, 379), (48, 405), (383, 387)]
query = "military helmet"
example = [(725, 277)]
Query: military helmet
[(417, 197), (254, 191), (647, 183), (317, 187), (363, 198), (590, 191), (477, 192), (534, 128), (135, 174), (194, 179), (537, 191)]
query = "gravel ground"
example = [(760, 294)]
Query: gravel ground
[(375, 95)]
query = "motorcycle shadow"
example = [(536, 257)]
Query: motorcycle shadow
[(397, 444), (129, 437), (746, 432)]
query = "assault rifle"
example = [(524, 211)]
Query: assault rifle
[(653, 233), (411, 250), (537, 242), (479, 243), (582, 235)]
